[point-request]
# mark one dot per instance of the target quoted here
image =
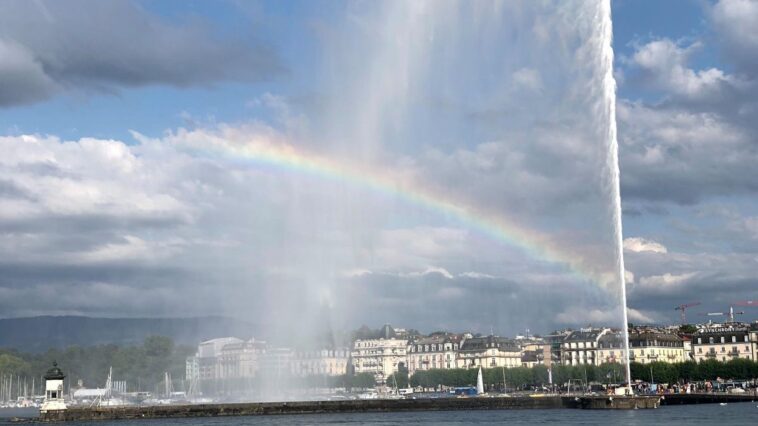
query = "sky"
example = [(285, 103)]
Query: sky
[(428, 164)]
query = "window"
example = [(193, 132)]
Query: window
[(710, 340), (699, 340), (722, 349), (734, 339), (722, 339)]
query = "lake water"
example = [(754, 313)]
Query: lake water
[(711, 414)]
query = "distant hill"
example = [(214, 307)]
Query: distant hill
[(38, 334)]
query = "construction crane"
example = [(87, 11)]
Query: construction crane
[(747, 303), (684, 308), (729, 315)]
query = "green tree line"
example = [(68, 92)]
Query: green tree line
[(522, 377), (142, 366)]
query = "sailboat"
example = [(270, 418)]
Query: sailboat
[(109, 399), (480, 382)]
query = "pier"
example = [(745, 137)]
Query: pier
[(349, 406)]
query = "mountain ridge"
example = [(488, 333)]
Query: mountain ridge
[(40, 333)]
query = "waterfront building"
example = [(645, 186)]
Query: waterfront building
[(648, 345), (240, 359), (580, 347), (435, 351), (534, 351), (724, 342), (381, 356), (326, 362), (488, 352), (225, 358), (687, 345), (610, 348), (531, 358), (553, 347)]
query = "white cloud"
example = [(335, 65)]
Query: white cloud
[(665, 281), (664, 64), (429, 271), (600, 317), (637, 244), (734, 21), (477, 275), (683, 156), (131, 248), (528, 78)]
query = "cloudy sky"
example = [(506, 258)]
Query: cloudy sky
[(428, 164)]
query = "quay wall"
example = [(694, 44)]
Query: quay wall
[(706, 398), (346, 406)]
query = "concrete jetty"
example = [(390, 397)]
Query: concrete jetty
[(386, 405), (348, 406)]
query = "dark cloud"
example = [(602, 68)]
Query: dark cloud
[(50, 47)]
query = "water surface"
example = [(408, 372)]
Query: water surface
[(745, 413)]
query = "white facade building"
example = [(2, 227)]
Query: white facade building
[(436, 351), (581, 347), (488, 352), (380, 357), (724, 342), (324, 362)]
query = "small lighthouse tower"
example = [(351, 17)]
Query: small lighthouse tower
[(53, 390)]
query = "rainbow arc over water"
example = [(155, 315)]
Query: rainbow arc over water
[(495, 226)]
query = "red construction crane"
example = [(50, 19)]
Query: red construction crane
[(747, 303), (684, 308)]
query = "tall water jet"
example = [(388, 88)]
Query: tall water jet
[(609, 104)]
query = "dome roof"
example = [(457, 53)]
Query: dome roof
[(54, 373)]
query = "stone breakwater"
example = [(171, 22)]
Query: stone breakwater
[(349, 406)]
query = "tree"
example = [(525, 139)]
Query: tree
[(158, 346), (14, 365), (399, 379), (362, 380)]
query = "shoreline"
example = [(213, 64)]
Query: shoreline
[(387, 405)]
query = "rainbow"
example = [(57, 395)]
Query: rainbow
[(495, 226)]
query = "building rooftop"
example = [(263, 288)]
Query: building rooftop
[(584, 335), (479, 343)]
